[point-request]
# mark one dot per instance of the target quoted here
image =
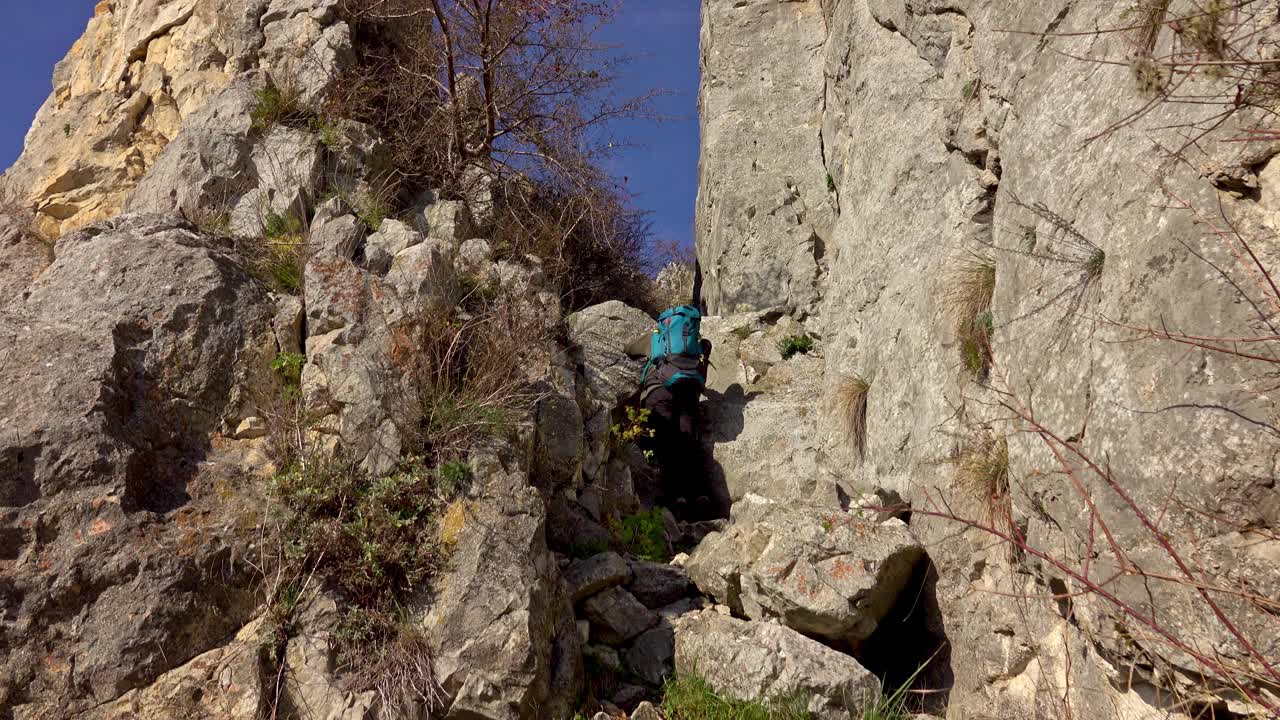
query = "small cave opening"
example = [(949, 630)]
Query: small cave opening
[(910, 647)]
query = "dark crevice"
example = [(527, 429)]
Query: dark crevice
[(910, 647)]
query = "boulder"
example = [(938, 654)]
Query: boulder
[(599, 334), (616, 617), (474, 257), (305, 46), (335, 238), (288, 166), (392, 238), (752, 660), (558, 445), (204, 166), (226, 682), (629, 696), (591, 575), (287, 324), (650, 654), (602, 657), (656, 584), (447, 220), (646, 711), (571, 529), (423, 278), (825, 573)]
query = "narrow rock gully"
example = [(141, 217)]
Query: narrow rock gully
[(803, 593)]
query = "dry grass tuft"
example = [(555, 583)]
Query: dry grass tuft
[(970, 287), (851, 407), (397, 666), (982, 472)]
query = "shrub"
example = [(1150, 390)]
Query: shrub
[(450, 92), (468, 374), (851, 408), (454, 478), (327, 131), (644, 535), (634, 427), (374, 537), (970, 287), (792, 345), (689, 697), (289, 367), (742, 332)]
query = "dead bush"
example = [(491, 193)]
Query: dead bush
[(471, 373), (506, 106)]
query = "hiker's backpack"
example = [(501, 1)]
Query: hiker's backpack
[(675, 349)]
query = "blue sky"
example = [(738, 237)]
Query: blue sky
[(661, 35), (33, 38)]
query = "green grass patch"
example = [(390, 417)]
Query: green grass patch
[(794, 345), (689, 697), (742, 332), (289, 367), (643, 535)]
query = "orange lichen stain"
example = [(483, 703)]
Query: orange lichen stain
[(842, 569), (803, 586), (99, 527), (102, 8), (55, 664)]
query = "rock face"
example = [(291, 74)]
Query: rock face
[(763, 661), (139, 341), (855, 153), (764, 211)]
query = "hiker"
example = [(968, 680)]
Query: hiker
[(672, 383)]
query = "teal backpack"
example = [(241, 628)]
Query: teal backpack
[(675, 349)]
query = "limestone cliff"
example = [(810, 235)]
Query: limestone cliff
[(857, 156)]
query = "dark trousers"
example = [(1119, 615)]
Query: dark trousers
[(677, 451)]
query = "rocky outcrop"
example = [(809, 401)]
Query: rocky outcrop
[(141, 340), (766, 426), (764, 661), (22, 254), (144, 73)]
